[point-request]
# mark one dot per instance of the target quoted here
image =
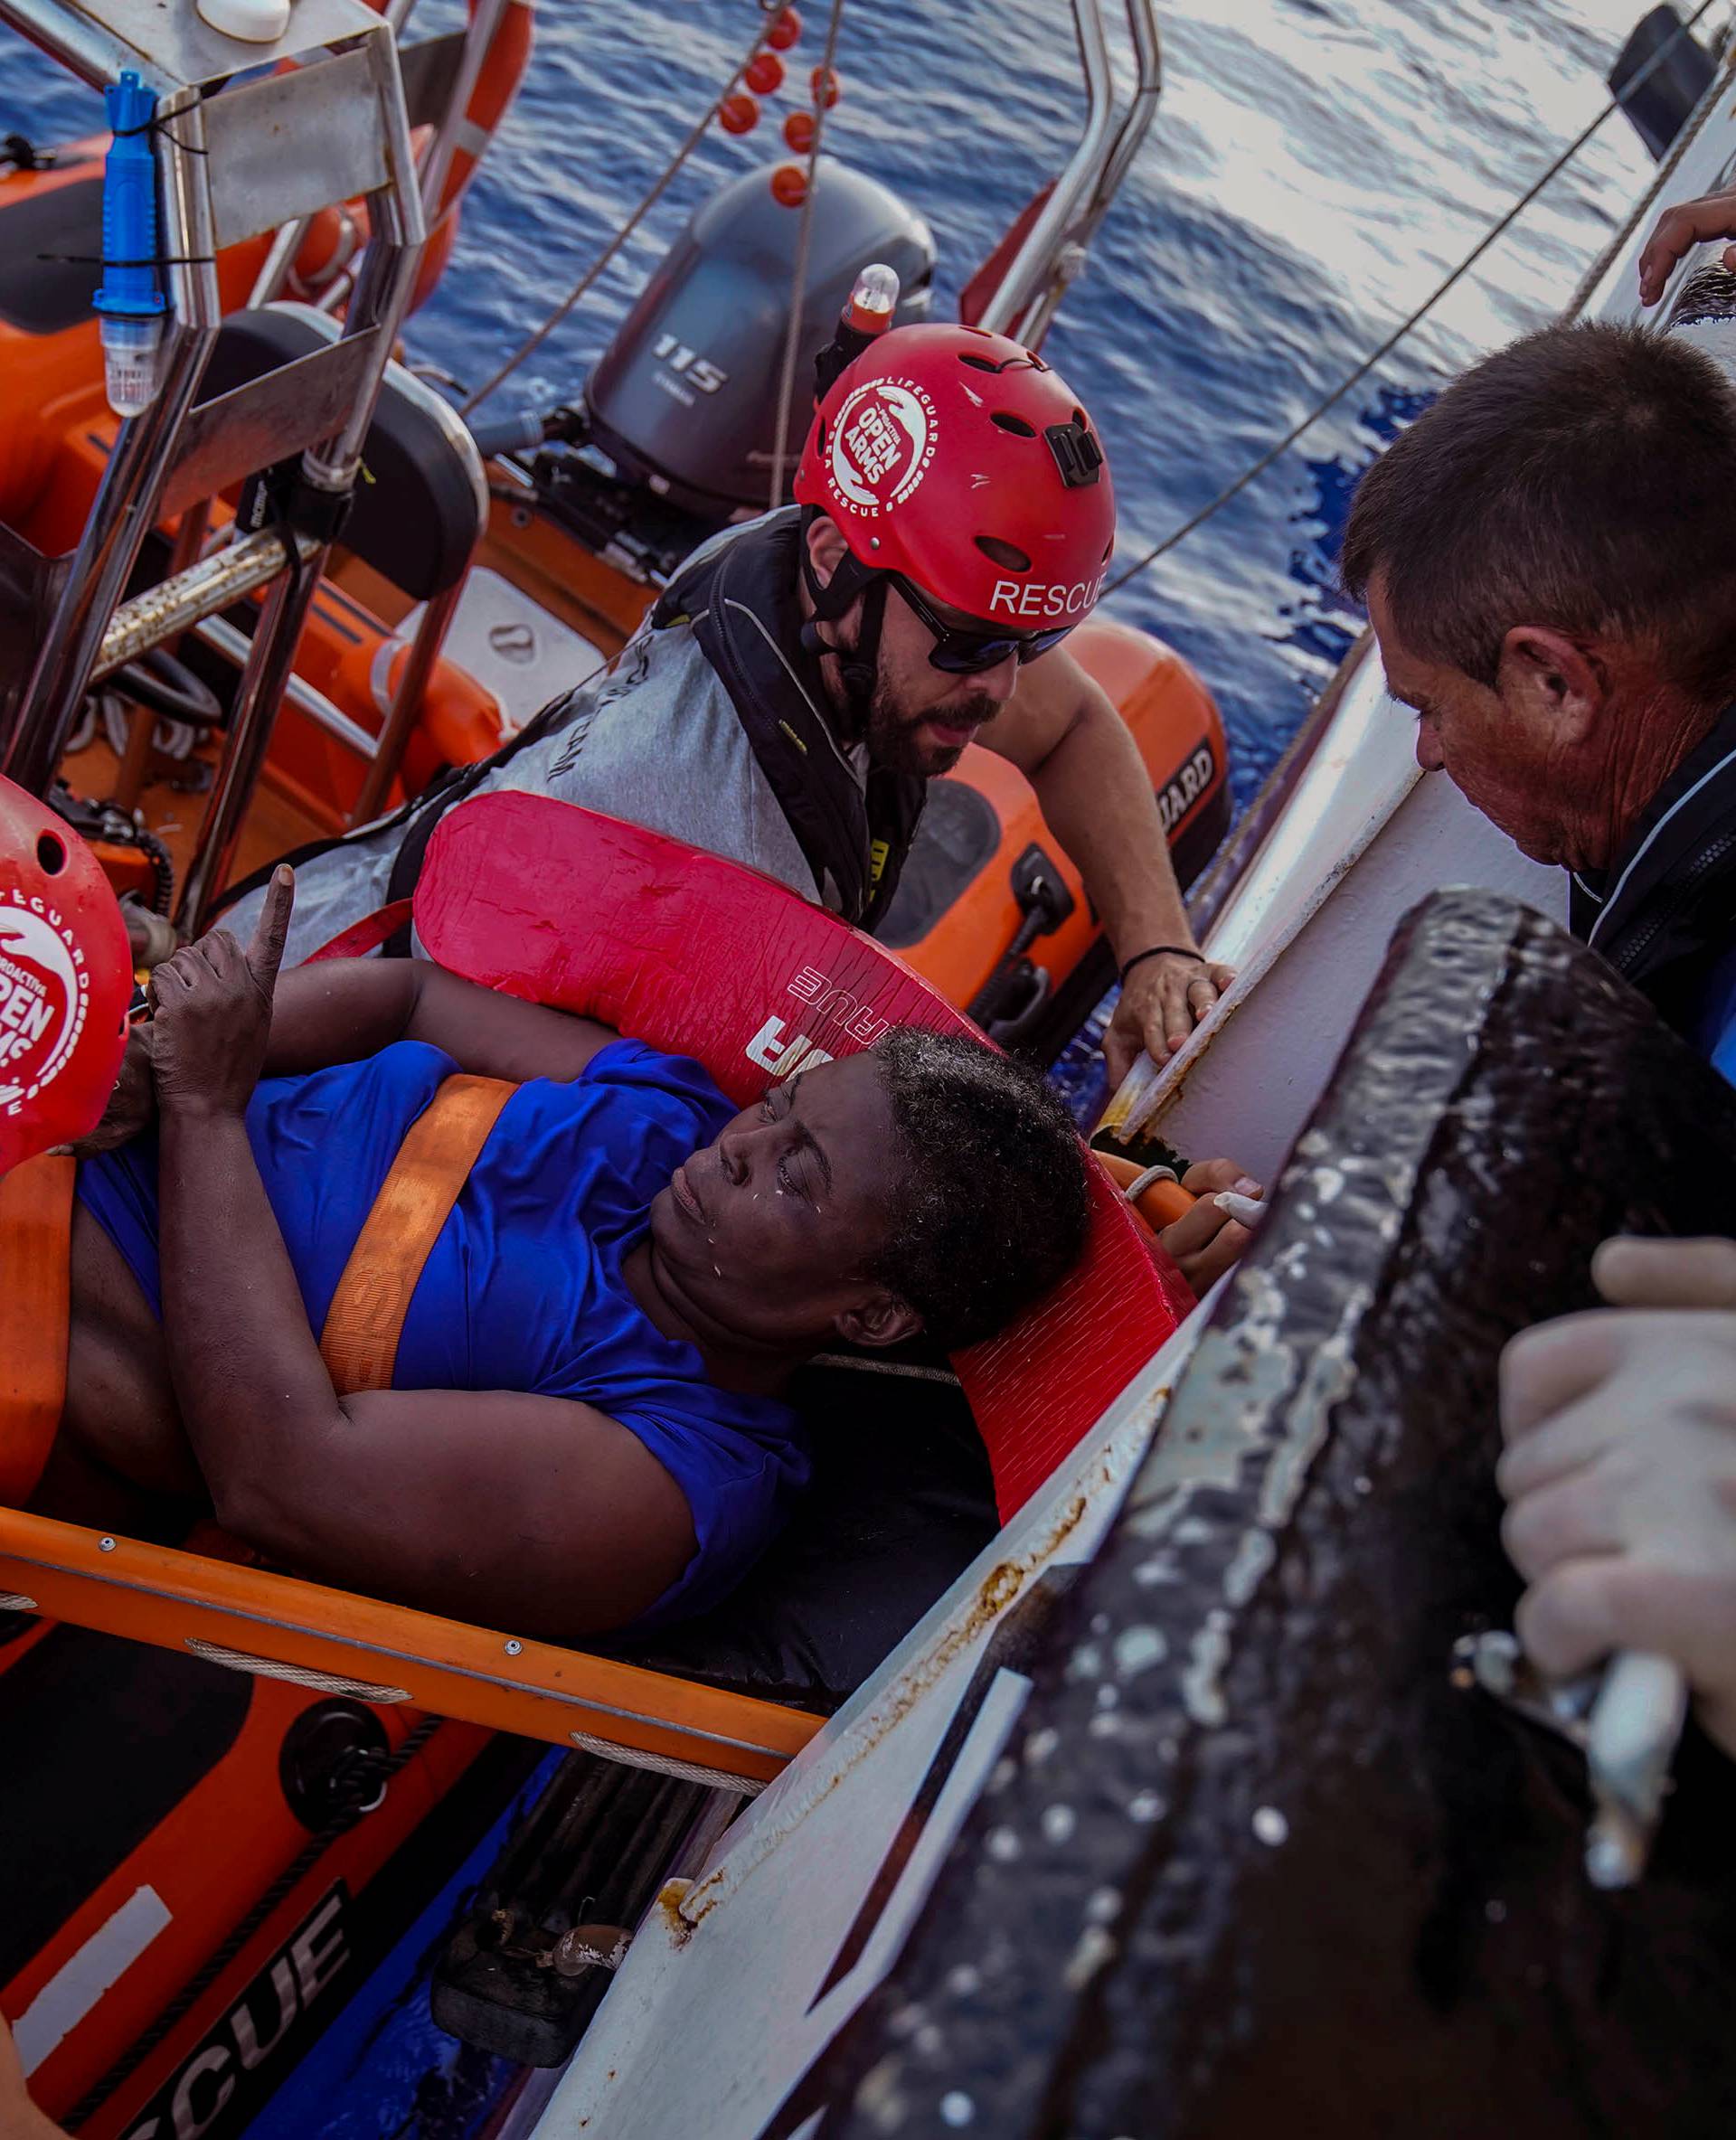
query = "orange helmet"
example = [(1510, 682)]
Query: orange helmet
[(66, 981)]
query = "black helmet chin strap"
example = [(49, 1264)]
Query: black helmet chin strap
[(858, 666)]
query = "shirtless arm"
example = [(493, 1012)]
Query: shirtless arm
[(1064, 735), (537, 1515)]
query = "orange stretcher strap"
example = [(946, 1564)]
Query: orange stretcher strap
[(359, 1343), (35, 1316)]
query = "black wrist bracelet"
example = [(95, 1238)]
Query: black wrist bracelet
[(1159, 951)]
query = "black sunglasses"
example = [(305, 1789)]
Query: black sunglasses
[(962, 652)]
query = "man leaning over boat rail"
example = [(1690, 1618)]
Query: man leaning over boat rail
[(806, 676), (1548, 556)]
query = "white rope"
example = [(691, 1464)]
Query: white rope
[(798, 278), (297, 1675), (632, 1756)]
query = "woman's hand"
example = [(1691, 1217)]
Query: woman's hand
[(1678, 231), (1205, 1241), (1620, 1471), (132, 1105), (211, 1012)]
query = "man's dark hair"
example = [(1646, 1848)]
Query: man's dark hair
[(1584, 478), (991, 1203)]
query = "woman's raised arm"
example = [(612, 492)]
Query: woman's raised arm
[(528, 1513)]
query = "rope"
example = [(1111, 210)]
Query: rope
[(1649, 200), (633, 1756), (799, 275), (659, 188), (371, 1774), (1497, 230)]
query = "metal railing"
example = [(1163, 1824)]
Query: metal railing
[(338, 127), (1055, 246)]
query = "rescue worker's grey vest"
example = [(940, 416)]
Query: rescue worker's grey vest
[(742, 762)]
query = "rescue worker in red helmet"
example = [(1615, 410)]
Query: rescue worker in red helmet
[(958, 520), (805, 676)]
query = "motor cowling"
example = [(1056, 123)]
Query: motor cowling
[(686, 396)]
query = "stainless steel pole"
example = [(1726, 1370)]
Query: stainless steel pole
[(125, 507), (382, 294), (406, 704)]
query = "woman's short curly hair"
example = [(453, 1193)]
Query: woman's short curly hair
[(991, 1203)]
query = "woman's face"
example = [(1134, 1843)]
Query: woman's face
[(770, 1232)]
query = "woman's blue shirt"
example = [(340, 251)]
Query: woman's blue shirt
[(524, 1288)]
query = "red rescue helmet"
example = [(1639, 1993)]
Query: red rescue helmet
[(66, 981), (960, 459)]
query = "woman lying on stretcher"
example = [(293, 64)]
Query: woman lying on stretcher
[(584, 1427)]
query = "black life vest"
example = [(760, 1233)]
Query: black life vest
[(739, 602)]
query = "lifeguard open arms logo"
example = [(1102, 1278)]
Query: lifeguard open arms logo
[(45, 996), (881, 444)]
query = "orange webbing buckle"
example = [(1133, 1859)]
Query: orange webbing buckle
[(35, 1316), (359, 1343)]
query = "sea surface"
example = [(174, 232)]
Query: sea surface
[(1314, 167)]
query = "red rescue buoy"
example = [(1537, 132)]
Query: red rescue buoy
[(789, 185), (824, 86), (786, 31), (799, 131), (739, 114), (764, 74)]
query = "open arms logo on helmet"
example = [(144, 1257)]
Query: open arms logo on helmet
[(959, 461), (882, 441), (44, 997)]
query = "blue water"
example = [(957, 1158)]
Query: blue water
[(1314, 165)]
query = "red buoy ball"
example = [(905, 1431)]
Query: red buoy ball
[(789, 185), (739, 114), (764, 74), (786, 31), (824, 86), (798, 132)]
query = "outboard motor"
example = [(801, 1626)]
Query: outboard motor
[(684, 399)]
